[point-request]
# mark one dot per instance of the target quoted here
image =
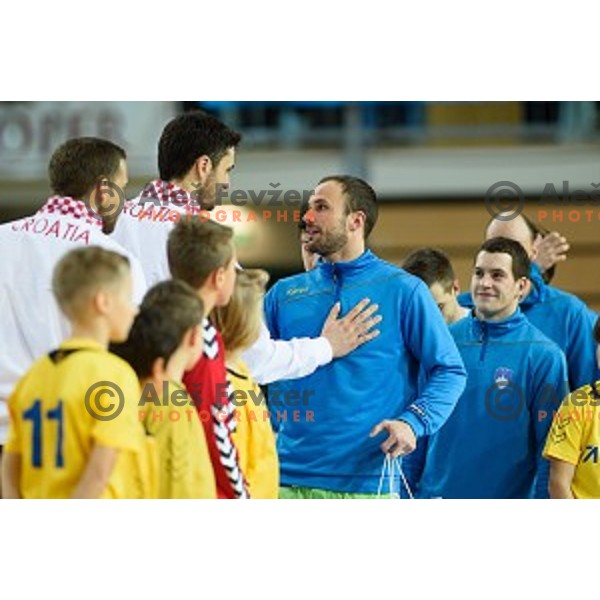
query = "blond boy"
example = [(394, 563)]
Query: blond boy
[(73, 431)]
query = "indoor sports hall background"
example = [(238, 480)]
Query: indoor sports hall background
[(439, 168)]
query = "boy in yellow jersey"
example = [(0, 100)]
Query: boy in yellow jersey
[(166, 339), (239, 323), (73, 430), (573, 444)]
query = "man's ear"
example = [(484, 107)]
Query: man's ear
[(523, 286), (456, 287), (103, 196), (192, 337), (357, 219), (215, 280), (94, 198), (203, 168), (101, 302), (219, 277), (535, 246)]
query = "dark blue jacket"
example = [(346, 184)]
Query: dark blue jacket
[(491, 445)]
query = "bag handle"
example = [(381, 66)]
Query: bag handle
[(391, 465)]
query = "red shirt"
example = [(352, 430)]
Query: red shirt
[(208, 387)]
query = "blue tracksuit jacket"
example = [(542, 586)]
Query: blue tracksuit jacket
[(491, 445), (377, 381)]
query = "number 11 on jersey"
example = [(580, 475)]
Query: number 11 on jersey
[(35, 415)]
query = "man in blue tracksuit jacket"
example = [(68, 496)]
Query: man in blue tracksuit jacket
[(561, 316), (365, 403), (491, 446)]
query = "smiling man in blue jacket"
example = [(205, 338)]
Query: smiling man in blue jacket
[(491, 446), (563, 317), (367, 403)]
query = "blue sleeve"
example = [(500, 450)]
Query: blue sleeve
[(581, 349), (550, 374), (270, 310), (427, 336), (414, 463), (465, 300)]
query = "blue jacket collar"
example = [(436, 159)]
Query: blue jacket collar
[(496, 329), (539, 288), (349, 268)]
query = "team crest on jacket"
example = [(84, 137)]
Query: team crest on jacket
[(503, 377)]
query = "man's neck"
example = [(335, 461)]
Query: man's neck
[(185, 184), (500, 316), (208, 299), (527, 290), (347, 253), (92, 331), (176, 367), (460, 313)]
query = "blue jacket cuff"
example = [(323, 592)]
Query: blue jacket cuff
[(417, 425)]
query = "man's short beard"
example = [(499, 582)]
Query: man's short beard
[(329, 244), (204, 196)]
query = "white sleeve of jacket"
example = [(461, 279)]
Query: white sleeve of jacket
[(271, 360)]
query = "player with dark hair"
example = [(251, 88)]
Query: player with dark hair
[(491, 445), (373, 390), (435, 269)]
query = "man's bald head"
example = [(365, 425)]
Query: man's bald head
[(516, 229)]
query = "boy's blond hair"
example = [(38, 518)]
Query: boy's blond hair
[(197, 248), (239, 322), (82, 272)]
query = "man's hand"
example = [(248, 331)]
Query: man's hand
[(401, 440), (550, 249), (349, 332)]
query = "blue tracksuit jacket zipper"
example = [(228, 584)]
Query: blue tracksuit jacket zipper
[(337, 285), (483, 339)]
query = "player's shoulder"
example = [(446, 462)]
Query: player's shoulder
[(540, 347), (117, 366), (95, 364), (567, 301), (114, 244), (14, 233), (35, 378), (587, 396), (299, 287), (294, 284), (16, 225), (99, 238), (9, 229), (395, 276), (461, 329), (533, 335)]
